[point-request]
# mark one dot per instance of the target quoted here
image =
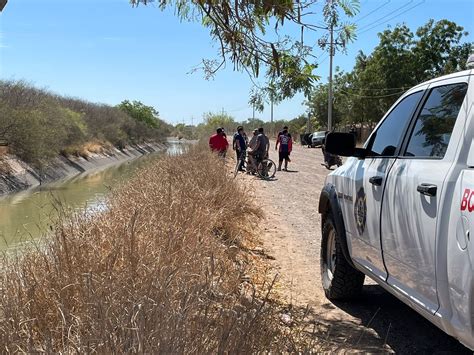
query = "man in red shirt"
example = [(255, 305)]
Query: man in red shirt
[(218, 143)]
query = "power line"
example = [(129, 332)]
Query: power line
[(371, 12), (324, 59), (387, 15), (391, 18), (321, 54)]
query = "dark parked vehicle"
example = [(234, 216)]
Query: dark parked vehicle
[(317, 139)]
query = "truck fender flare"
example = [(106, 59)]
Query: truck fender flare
[(328, 202)]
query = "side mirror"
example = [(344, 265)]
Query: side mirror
[(343, 144)]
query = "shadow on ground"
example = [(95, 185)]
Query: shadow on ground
[(386, 324)]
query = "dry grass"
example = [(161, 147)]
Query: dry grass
[(89, 148), (162, 270), (3, 150), (97, 147), (4, 166)]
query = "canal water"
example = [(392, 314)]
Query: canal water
[(28, 214)]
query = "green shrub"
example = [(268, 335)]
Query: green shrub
[(38, 125)]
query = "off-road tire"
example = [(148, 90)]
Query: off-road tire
[(343, 282)]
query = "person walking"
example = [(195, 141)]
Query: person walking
[(286, 145), (285, 128), (240, 145), (218, 143)]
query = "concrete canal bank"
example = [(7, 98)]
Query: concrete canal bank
[(16, 175)]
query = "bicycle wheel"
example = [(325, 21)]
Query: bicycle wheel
[(266, 169)]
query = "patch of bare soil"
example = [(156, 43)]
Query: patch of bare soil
[(291, 236)]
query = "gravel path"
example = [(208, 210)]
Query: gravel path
[(376, 321)]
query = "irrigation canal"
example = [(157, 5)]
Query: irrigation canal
[(26, 215)]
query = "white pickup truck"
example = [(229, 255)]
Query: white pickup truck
[(401, 209)]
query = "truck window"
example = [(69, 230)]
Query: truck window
[(435, 123), (386, 139)]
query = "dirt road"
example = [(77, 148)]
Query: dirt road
[(376, 321)]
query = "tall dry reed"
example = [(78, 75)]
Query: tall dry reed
[(158, 271)]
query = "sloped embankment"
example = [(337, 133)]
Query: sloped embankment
[(16, 175), (163, 269)]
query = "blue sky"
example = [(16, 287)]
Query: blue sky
[(106, 51)]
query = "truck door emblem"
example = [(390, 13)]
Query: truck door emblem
[(360, 210)]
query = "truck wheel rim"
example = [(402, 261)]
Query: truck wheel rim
[(331, 253)]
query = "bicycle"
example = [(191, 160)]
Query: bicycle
[(266, 168)]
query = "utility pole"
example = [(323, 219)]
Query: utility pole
[(253, 112), (271, 91), (308, 124), (271, 109), (331, 54)]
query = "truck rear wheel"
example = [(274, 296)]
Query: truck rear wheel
[(340, 280)]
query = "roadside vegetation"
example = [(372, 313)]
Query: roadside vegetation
[(166, 268), (38, 125), (211, 121)]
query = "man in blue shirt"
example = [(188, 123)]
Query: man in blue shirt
[(240, 145)]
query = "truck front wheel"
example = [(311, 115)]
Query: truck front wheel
[(340, 280)]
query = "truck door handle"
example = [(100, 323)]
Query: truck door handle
[(376, 180), (427, 189)]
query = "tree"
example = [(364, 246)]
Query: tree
[(212, 121), (438, 50), (147, 123), (243, 30), (140, 112), (318, 105), (298, 125), (401, 60), (254, 123)]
